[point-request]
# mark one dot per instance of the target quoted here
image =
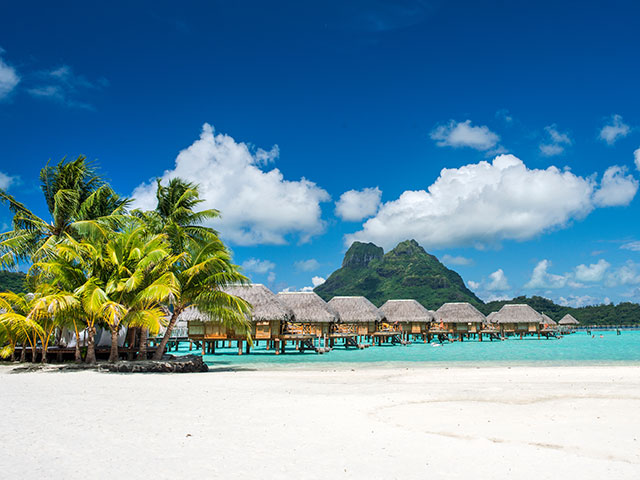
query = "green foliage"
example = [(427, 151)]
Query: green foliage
[(407, 271), (13, 282)]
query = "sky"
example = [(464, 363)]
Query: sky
[(503, 136)]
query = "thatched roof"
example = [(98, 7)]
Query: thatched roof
[(308, 307), (546, 319), (265, 303), (459, 312), (568, 320), (517, 313), (403, 311), (491, 318), (355, 309)]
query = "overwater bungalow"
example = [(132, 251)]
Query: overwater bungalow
[(460, 319), (491, 318), (358, 318), (518, 319), (312, 319), (268, 315), (408, 317), (568, 323)]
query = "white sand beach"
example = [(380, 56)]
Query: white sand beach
[(365, 422)]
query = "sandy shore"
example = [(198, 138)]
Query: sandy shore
[(521, 422)]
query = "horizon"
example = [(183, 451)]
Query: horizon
[(503, 138)]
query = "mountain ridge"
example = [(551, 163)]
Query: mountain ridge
[(406, 271)]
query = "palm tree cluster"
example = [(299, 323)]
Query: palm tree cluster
[(95, 264)]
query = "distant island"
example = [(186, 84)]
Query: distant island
[(408, 271)]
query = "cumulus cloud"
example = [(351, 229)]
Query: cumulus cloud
[(258, 206), (6, 181), (64, 86), (614, 130), (464, 134), (627, 274), (616, 188), (542, 279), (307, 265), (356, 205), (633, 246), (315, 281), (271, 277), (474, 285), (593, 272), (482, 204), (456, 260), (578, 301), (498, 281), (9, 77), (258, 266), (636, 157), (555, 143)]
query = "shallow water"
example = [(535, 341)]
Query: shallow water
[(607, 348)]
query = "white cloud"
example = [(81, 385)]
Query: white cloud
[(6, 181), (257, 206), (258, 266), (636, 157), (356, 205), (456, 260), (593, 272), (556, 141), (463, 134), (306, 289), (577, 301), (616, 188), (614, 130), (474, 285), (628, 274), (307, 265), (482, 204), (633, 246), (504, 115), (9, 78), (541, 278), (498, 281), (317, 281), (271, 277), (64, 86)]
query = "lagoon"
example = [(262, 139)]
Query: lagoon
[(601, 348)]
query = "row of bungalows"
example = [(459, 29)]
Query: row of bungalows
[(306, 321)]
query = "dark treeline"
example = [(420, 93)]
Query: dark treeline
[(12, 282)]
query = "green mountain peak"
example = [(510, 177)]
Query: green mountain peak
[(407, 271)]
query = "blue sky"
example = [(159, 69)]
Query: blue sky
[(280, 108)]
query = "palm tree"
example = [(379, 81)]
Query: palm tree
[(119, 279), (79, 201), (204, 266), (202, 272), (18, 321)]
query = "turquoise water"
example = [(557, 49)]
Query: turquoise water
[(574, 349)]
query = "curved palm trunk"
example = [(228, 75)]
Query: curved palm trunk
[(23, 353), (113, 356), (167, 335), (78, 354), (144, 338), (91, 345)]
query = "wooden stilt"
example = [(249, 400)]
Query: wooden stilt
[(239, 347), (248, 348)]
